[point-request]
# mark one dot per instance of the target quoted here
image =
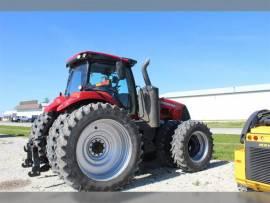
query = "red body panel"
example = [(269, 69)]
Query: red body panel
[(171, 110), (62, 102), (54, 105)]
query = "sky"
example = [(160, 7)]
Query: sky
[(188, 50)]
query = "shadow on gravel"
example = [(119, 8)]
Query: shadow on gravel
[(9, 136), (217, 164), (47, 176), (56, 185), (13, 184), (152, 173)]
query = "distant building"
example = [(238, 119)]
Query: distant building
[(25, 109), (29, 108), (8, 115), (232, 103)]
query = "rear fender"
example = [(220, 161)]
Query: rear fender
[(86, 95), (61, 103), (52, 107)]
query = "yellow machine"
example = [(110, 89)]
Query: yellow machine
[(252, 162)]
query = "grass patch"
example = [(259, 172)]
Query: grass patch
[(14, 130), (222, 138), (225, 145), (225, 124)]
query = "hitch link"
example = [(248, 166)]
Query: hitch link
[(28, 162)]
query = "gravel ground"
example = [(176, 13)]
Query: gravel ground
[(219, 176)]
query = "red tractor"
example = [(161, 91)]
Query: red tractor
[(96, 134)]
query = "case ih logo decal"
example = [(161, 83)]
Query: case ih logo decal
[(168, 104)]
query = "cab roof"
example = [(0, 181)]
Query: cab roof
[(98, 56)]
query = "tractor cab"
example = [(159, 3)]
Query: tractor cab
[(92, 71), (99, 72)]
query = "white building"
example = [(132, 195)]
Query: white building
[(26, 109), (231, 103), (7, 115)]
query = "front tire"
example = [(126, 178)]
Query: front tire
[(192, 146), (99, 148), (163, 143)]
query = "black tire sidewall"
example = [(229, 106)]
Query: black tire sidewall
[(205, 161), (184, 133)]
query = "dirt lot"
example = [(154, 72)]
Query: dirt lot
[(219, 177)]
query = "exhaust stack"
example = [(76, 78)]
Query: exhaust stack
[(149, 107), (145, 74)]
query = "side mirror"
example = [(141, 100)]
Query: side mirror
[(120, 70)]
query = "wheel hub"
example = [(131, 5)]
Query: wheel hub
[(198, 146), (193, 146), (103, 149), (97, 147)]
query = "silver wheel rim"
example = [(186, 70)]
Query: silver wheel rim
[(103, 150), (198, 146)]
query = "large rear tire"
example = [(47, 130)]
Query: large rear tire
[(192, 146), (52, 142), (99, 148)]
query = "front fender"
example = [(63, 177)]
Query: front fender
[(52, 107), (86, 95)]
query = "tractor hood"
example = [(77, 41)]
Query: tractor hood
[(168, 103), (172, 110)]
